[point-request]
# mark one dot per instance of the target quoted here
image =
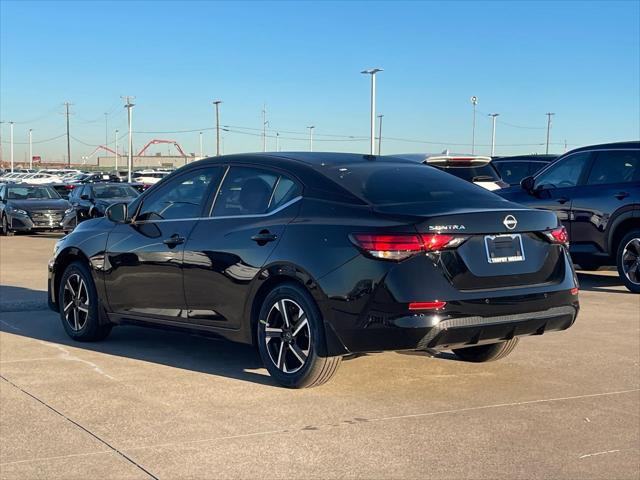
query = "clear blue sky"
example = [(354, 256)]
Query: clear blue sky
[(580, 60)]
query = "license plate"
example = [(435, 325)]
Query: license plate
[(504, 248)]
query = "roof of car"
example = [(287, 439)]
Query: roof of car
[(531, 157), (608, 146)]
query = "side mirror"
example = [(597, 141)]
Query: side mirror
[(527, 184), (117, 212)]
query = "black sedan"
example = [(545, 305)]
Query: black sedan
[(314, 256), (26, 208), (91, 201)]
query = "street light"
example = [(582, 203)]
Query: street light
[(217, 105), (372, 72), (30, 148), (474, 101), (493, 132), (311, 137), (549, 115), (380, 134)]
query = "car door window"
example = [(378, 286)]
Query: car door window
[(564, 173), (245, 191), (182, 198), (512, 172), (616, 166)]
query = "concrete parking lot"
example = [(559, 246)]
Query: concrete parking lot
[(155, 404)]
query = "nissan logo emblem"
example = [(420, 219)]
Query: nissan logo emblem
[(510, 222)]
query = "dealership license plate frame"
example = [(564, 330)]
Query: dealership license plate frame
[(516, 238)]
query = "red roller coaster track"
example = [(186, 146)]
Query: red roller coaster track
[(156, 141)]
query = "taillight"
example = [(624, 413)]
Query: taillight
[(400, 246), (435, 305), (558, 235)]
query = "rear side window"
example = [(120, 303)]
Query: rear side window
[(386, 184), (245, 191), (616, 166), (286, 190)]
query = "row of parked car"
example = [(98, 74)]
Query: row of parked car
[(595, 192)]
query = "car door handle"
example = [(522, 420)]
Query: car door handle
[(174, 240), (264, 237), (562, 200), (621, 195)]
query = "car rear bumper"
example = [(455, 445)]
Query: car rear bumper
[(442, 331)]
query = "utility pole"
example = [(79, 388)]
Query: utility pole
[(493, 132), (30, 149), (217, 104), (474, 102), (549, 115), (201, 154), (372, 72), (67, 105), (380, 134), (11, 144), (277, 142), (311, 137), (129, 107), (116, 150), (264, 128), (106, 129)]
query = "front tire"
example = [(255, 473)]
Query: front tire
[(290, 336), (486, 353), (78, 301), (5, 231), (628, 260)]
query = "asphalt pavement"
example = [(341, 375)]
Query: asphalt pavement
[(148, 403)]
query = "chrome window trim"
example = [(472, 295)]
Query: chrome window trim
[(273, 191), (256, 215), (215, 197)]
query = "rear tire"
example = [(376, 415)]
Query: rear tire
[(78, 301), (628, 260), (486, 353), (290, 336)]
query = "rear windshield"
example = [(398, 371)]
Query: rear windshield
[(387, 184), (114, 191), (31, 193), (480, 173)]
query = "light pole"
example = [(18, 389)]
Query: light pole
[(277, 141), (217, 105), (30, 149), (264, 128), (372, 72), (106, 129), (549, 115), (129, 107), (493, 132), (311, 137), (474, 101), (116, 150), (201, 155), (380, 134), (11, 144)]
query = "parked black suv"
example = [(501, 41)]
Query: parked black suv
[(595, 192)]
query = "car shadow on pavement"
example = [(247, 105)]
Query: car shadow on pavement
[(178, 349), (601, 282)]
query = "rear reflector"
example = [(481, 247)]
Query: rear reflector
[(436, 305), (401, 246), (558, 235), (574, 291)]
